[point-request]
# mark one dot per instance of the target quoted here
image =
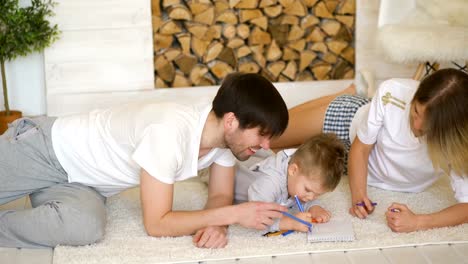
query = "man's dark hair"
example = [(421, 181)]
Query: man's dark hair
[(254, 101)]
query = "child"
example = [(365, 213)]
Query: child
[(407, 137), (308, 172)]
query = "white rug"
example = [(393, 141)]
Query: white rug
[(126, 241)]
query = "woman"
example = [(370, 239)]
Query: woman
[(409, 135)]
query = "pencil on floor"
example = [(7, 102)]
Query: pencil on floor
[(277, 233)]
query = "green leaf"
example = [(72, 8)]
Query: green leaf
[(24, 30)]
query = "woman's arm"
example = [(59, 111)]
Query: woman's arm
[(357, 171), (401, 219)]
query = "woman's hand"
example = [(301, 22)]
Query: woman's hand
[(401, 219), (361, 207)]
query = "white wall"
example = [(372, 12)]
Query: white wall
[(26, 75), (26, 86)]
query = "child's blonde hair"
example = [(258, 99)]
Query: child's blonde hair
[(324, 152), (445, 95)]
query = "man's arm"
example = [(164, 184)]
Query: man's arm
[(220, 186), (401, 219), (160, 220), (220, 193)]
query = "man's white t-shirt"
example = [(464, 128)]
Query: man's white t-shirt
[(106, 149), (399, 161)]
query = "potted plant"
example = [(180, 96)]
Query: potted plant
[(23, 30)]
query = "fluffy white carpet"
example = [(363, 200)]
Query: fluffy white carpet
[(126, 242)]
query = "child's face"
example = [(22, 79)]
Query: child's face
[(417, 118), (306, 187)]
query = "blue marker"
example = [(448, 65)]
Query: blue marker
[(301, 209), (299, 205), (287, 232), (297, 219)]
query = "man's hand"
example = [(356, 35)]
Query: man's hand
[(319, 214), (211, 237), (258, 215), (401, 219)]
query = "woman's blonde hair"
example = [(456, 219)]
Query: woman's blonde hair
[(324, 152), (445, 96)]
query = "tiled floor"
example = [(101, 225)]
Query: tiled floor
[(433, 254), (26, 256)]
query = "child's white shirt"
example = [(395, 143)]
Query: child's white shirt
[(106, 149), (399, 161)]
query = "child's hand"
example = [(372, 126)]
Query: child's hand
[(319, 214), (287, 223)]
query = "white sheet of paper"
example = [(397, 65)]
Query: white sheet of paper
[(337, 229)]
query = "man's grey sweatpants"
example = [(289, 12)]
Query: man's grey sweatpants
[(62, 213)]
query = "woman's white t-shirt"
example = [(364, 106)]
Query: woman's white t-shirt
[(106, 149), (399, 161)]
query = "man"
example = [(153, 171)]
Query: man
[(70, 164)]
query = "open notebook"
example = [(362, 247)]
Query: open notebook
[(337, 229)]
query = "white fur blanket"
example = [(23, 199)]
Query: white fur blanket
[(126, 241), (434, 30)]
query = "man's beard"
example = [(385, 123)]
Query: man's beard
[(239, 154), (241, 158)]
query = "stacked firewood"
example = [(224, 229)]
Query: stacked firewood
[(199, 42)]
